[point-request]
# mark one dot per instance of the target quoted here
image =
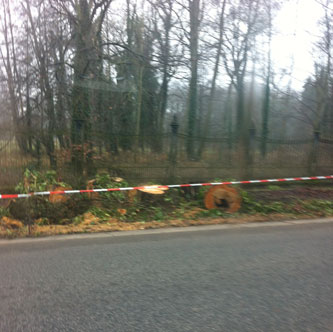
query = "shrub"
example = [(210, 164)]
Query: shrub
[(36, 181), (106, 181), (36, 207), (100, 213), (4, 212)]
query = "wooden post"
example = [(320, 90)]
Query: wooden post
[(252, 145), (173, 148), (313, 153)]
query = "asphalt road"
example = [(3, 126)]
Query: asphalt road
[(276, 278)]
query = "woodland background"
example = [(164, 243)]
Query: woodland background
[(158, 90)]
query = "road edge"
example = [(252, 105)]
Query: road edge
[(167, 230)]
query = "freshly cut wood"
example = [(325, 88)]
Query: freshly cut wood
[(59, 198), (117, 179), (141, 194), (223, 197), (132, 194), (90, 186), (154, 190)]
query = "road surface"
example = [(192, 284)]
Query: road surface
[(276, 278)]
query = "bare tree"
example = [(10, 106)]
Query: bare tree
[(194, 10), (40, 42), (86, 18), (270, 8), (10, 63), (166, 54), (218, 45), (242, 28), (324, 86)]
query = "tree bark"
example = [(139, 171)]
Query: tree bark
[(266, 105), (213, 84), (194, 9)]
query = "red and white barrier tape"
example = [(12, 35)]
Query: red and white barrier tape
[(64, 192)]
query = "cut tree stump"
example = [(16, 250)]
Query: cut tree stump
[(59, 198), (150, 194), (223, 197)]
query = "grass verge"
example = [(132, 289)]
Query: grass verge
[(134, 210)]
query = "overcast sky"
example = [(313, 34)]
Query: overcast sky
[(297, 22)]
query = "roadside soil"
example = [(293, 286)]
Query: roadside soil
[(115, 225)]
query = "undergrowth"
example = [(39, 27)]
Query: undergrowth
[(178, 203), (36, 181), (4, 212), (104, 180), (250, 206), (316, 207)]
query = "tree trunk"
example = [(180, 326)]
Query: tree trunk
[(194, 7), (265, 115), (81, 113), (213, 84), (9, 62), (240, 107), (165, 50), (266, 105)]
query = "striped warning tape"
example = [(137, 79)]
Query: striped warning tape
[(64, 192)]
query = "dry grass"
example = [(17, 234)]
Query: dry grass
[(284, 160), (13, 164), (113, 225)]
